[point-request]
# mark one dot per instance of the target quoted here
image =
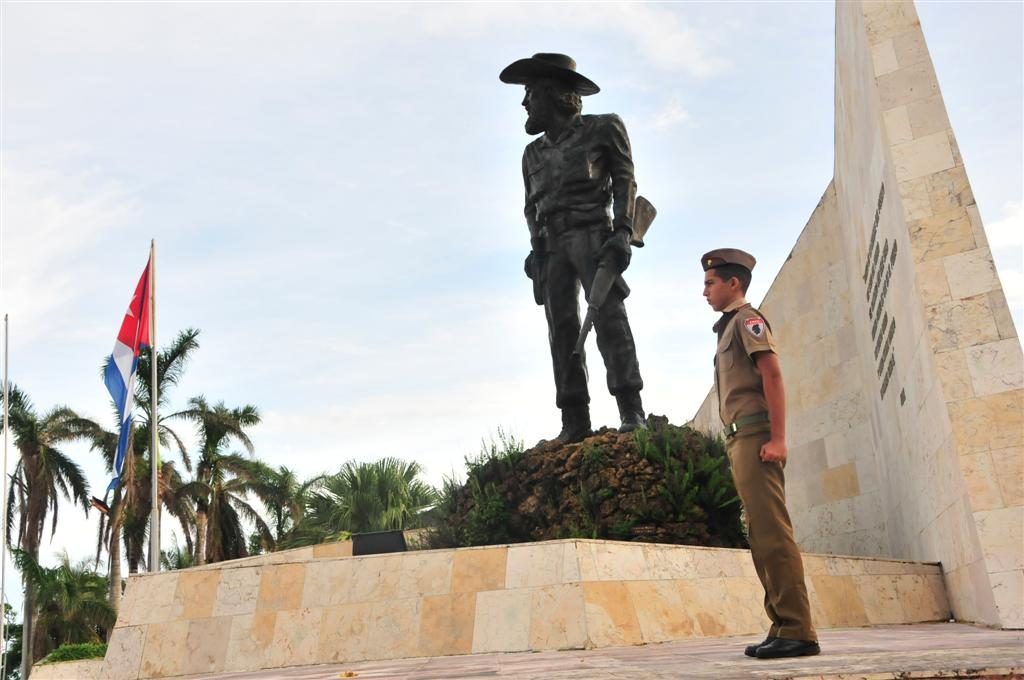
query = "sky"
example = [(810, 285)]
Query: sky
[(335, 194)]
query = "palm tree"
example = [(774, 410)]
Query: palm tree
[(223, 497), (217, 426), (43, 475), (132, 501), (285, 498), (73, 606), (379, 496)]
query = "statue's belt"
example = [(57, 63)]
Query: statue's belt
[(563, 221)]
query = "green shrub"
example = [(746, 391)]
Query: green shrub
[(86, 650)]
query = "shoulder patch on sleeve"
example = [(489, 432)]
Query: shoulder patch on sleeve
[(756, 326)]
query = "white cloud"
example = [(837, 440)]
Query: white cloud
[(1007, 231), (671, 114), (47, 220)]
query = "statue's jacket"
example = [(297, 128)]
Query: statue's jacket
[(584, 179)]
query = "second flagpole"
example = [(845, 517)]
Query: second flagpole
[(154, 423)]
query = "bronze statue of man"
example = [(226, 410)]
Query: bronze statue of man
[(580, 196)]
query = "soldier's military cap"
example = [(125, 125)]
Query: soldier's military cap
[(723, 256)]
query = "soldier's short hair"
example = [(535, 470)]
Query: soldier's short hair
[(728, 271)]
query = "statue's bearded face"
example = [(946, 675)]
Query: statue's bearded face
[(539, 107)]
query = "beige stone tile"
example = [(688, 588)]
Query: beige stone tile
[(907, 85), (883, 56), (557, 617), (165, 650), (840, 602), (988, 422), (197, 592), (1001, 533), (237, 591), (953, 375), (840, 482), (1008, 465), (922, 156), (927, 117), (970, 273), (996, 367), (207, 645), (923, 598), (124, 653), (916, 199), (281, 587), (1008, 587), (571, 562), (897, 125), (977, 226), (1001, 312), (910, 48), (375, 577), (981, 481), (249, 641), (954, 148), (396, 628), (658, 606), (614, 561), (502, 622), (744, 602), (883, 20), (296, 638), (534, 565), (150, 599), (333, 549), (446, 624), (881, 599), (478, 570), (941, 235), (426, 573), (932, 283), (329, 582), (611, 619), (961, 323), (950, 190), (346, 633)]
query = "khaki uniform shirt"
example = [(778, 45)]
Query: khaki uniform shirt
[(742, 331)]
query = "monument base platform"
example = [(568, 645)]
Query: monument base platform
[(320, 605)]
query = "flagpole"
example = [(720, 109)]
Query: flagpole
[(154, 427), (3, 544)]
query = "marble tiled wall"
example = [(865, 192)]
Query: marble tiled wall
[(554, 595), (906, 446)]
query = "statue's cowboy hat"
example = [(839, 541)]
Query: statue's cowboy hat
[(560, 67)]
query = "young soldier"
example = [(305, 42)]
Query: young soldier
[(752, 406)]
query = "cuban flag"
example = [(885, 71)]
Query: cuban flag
[(119, 375)]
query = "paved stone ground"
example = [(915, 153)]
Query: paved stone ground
[(919, 652)]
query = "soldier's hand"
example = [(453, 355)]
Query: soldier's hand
[(616, 250), (773, 452), (530, 266)]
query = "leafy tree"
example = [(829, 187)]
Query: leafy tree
[(42, 476), (73, 605), (223, 498), (378, 496), (217, 426)]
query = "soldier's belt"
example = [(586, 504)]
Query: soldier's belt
[(746, 421)]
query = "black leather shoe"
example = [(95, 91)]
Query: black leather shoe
[(781, 647), (751, 650)]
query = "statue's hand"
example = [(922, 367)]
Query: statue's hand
[(530, 266), (616, 250)]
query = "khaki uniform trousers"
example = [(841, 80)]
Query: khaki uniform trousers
[(761, 488)]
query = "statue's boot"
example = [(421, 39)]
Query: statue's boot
[(575, 424), (631, 411)]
